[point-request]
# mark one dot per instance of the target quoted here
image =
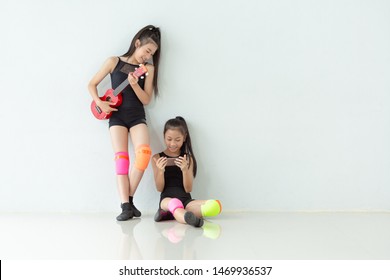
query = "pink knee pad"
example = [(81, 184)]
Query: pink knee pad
[(122, 163), (173, 204)]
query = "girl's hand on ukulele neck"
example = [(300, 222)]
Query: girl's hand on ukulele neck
[(133, 80)]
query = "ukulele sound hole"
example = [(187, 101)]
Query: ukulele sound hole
[(98, 109), (108, 98)]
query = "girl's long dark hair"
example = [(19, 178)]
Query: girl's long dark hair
[(148, 34), (180, 124)]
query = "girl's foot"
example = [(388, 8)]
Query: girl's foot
[(127, 212), (162, 215), (136, 212), (193, 220)]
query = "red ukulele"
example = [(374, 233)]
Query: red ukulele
[(115, 96)]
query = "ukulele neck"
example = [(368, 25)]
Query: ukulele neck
[(141, 70), (121, 87)]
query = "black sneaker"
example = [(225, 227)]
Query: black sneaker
[(162, 215), (136, 212), (193, 220), (127, 212)]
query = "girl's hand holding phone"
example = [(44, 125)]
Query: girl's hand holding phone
[(161, 163), (182, 162)]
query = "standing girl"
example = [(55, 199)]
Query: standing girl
[(129, 117), (174, 171)]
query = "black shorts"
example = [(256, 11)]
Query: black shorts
[(184, 200), (126, 118)]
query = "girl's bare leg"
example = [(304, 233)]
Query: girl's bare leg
[(182, 215), (139, 136), (119, 139)]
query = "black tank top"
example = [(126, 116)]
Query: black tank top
[(129, 98)]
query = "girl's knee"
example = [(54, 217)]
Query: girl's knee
[(174, 204), (211, 208)]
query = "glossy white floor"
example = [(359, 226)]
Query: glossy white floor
[(287, 236)]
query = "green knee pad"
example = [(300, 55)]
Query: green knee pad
[(211, 208)]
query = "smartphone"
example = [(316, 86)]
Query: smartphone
[(171, 161)]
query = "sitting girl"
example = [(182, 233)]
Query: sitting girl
[(174, 170)]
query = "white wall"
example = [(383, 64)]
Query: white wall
[(287, 101)]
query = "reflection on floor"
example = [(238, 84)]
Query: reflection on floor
[(287, 236)]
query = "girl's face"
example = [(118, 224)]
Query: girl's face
[(145, 52), (174, 140)]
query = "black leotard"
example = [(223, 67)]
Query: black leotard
[(131, 112), (174, 188)]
